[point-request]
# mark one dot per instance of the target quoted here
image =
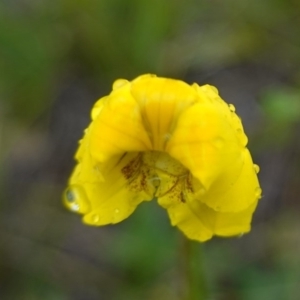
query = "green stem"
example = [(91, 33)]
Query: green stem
[(192, 271)]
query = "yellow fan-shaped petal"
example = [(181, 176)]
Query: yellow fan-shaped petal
[(242, 193), (223, 223), (182, 216), (205, 143), (189, 223), (199, 221), (111, 200), (175, 202), (210, 93), (161, 101), (118, 127), (208, 141)]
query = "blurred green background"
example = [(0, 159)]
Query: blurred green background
[(57, 58)]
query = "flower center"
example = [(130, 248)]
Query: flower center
[(156, 173)]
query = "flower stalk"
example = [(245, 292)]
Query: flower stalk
[(192, 259)]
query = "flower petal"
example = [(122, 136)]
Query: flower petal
[(209, 141), (205, 144), (161, 101), (242, 193), (189, 223), (199, 221), (111, 200), (118, 126), (106, 192), (223, 224), (183, 217)]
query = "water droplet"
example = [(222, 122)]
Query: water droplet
[(258, 192), (76, 199), (70, 196), (173, 214), (168, 136), (95, 218), (242, 137), (204, 87), (241, 234), (97, 170), (175, 218), (231, 107), (256, 168), (117, 211), (119, 83), (217, 207), (74, 207), (97, 108), (214, 89), (195, 86)]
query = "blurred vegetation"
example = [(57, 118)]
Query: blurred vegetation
[(57, 58)]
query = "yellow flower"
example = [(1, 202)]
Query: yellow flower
[(162, 138)]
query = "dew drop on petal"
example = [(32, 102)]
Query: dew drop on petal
[(217, 208), (258, 192), (74, 207), (167, 137), (95, 218), (116, 216), (256, 168), (70, 196), (214, 89), (195, 86), (76, 200), (231, 107), (242, 137), (119, 83), (173, 214), (241, 234), (97, 108)]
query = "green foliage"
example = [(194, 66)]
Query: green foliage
[(282, 105), (135, 249), (28, 59), (109, 39)]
